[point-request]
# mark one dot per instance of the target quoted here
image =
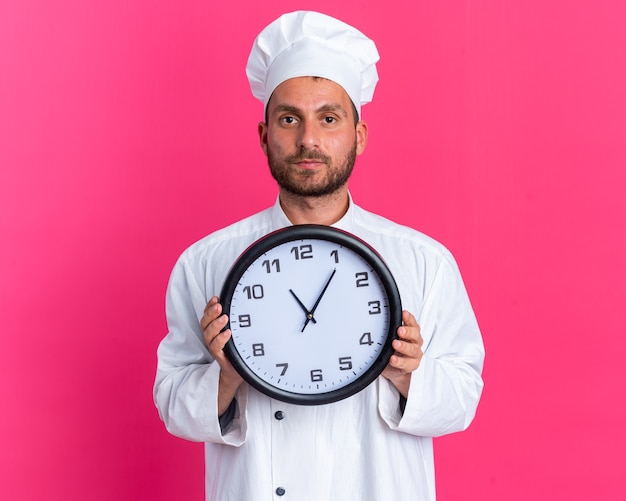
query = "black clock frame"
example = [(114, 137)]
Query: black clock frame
[(314, 232)]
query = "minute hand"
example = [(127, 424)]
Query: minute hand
[(312, 312)]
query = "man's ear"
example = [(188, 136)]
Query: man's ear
[(262, 129), (361, 136)]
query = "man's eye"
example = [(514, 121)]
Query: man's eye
[(288, 120), (330, 120)]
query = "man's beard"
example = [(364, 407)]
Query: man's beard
[(297, 183)]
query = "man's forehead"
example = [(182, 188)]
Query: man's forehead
[(305, 93)]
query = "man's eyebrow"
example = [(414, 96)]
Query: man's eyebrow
[(286, 108), (330, 107), (335, 108)]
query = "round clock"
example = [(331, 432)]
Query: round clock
[(313, 311)]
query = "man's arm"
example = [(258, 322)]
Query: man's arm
[(190, 387), (442, 378)]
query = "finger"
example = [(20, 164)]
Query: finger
[(216, 345), (410, 331), (404, 364), (408, 319), (406, 356), (212, 310), (406, 350), (214, 328), (410, 336), (212, 301)]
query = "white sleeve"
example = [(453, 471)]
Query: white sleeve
[(446, 387), (186, 384)]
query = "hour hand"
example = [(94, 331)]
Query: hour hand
[(308, 314)]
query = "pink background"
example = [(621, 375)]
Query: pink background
[(127, 131)]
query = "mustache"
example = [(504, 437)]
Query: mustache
[(308, 155)]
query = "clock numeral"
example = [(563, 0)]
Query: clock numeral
[(275, 263), (254, 292), (374, 307), (335, 255), (366, 339), (284, 366), (316, 375), (345, 363), (361, 279), (244, 320), (304, 251), (258, 350)]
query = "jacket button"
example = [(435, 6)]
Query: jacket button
[(279, 415), (280, 491)]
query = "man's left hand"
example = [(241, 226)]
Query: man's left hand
[(407, 356)]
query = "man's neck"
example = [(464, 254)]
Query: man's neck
[(325, 210)]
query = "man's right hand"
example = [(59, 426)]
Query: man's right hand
[(212, 323)]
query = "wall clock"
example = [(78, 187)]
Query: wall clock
[(313, 311)]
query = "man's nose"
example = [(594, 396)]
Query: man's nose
[(309, 136)]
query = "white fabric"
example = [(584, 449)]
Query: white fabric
[(362, 448), (306, 43)]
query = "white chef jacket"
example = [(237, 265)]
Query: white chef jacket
[(363, 448)]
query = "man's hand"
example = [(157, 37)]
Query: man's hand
[(407, 356), (212, 323)]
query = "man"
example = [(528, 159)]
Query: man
[(313, 73)]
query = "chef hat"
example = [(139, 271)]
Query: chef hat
[(312, 44)]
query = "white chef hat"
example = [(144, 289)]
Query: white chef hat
[(308, 43)]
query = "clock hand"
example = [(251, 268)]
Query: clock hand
[(309, 315), (312, 312)]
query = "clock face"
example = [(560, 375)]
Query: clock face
[(313, 311)]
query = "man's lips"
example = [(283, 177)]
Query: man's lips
[(309, 164)]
